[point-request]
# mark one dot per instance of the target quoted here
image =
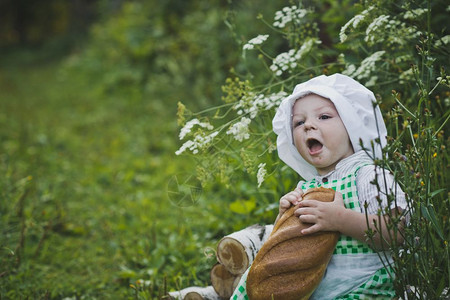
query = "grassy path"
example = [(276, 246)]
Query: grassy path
[(84, 208)]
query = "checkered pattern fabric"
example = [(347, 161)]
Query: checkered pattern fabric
[(380, 285), (347, 187), (240, 292)]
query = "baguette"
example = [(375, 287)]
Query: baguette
[(291, 265)]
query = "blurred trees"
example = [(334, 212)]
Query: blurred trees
[(176, 49), (139, 45), (26, 22)]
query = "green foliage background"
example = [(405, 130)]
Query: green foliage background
[(87, 142), (88, 134)]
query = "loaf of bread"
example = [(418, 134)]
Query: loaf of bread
[(291, 265)]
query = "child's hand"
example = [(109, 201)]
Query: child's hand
[(291, 198), (324, 216)]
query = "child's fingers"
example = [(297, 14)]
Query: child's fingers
[(338, 199), (304, 211), (313, 229), (309, 203), (290, 199), (293, 197), (306, 218), (284, 203)]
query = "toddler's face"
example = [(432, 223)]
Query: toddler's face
[(319, 134)]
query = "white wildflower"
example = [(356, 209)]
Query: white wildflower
[(407, 75), (288, 60), (271, 101), (255, 41), (350, 70), (366, 68), (368, 65), (372, 81), (341, 58), (442, 41), (444, 81), (373, 29), (252, 103), (412, 14), (287, 14), (342, 35), (143, 283), (354, 23), (197, 143), (272, 147), (189, 125), (240, 129), (361, 16), (404, 58), (389, 30), (262, 172)]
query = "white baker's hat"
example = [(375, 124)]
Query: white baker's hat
[(355, 105)]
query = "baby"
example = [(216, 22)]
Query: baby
[(320, 129)]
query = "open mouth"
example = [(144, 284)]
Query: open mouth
[(314, 146)]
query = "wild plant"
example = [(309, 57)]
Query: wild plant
[(397, 49)]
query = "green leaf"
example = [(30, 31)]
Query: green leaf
[(243, 206), (430, 215), (436, 192)]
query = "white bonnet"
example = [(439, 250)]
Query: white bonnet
[(354, 103)]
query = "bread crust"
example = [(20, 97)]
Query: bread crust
[(291, 265)]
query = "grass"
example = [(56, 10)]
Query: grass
[(84, 209)]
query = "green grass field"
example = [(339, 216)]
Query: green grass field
[(84, 207), (92, 195)]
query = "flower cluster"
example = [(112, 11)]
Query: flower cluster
[(444, 80), (406, 76), (251, 104), (288, 14), (366, 68), (189, 125), (373, 28), (288, 60), (442, 41), (248, 107), (240, 129), (262, 172), (255, 41), (200, 141), (387, 29), (413, 14), (383, 28), (354, 23)]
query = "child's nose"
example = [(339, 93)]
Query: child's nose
[(309, 124)]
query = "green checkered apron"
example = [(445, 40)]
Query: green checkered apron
[(350, 255)]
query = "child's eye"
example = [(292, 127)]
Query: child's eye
[(324, 117), (298, 123)]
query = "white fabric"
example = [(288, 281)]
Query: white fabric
[(367, 192), (353, 102), (358, 269)]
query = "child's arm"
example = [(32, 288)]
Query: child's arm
[(335, 217)]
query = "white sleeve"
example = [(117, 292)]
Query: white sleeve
[(300, 183), (374, 184)]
